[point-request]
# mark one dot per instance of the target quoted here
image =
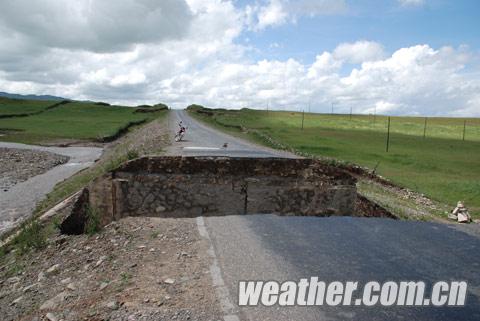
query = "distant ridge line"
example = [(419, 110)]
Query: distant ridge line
[(31, 97)]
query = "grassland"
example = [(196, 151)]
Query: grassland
[(19, 106), (441, 165), (73, 121)]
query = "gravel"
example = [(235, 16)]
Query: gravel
[(128, 284), (18, 165)]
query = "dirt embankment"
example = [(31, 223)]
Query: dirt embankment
[(18, 165), (135, 269)]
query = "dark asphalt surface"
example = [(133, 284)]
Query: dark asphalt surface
[(269, 247)]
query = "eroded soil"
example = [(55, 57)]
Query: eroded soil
[(135, 269)]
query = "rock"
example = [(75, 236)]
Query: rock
[(112, 305), (169, 281), (51, 317), (66, 281), (53, 269), (41, 277), (28, 288), (14, 279), (160, 209), (103, 285), (71, 286), (54, 302), (100, 261), (17, 300)]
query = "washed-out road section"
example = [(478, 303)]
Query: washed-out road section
[(270, 247), (18, 202)]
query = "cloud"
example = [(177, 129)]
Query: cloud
[(411, 3), (274, 13), (413, 80), (203, 63), (100, 25), (358, 52)]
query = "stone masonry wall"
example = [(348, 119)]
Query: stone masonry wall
[(213, 186)]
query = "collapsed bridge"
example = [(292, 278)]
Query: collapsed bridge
[(217, 186)]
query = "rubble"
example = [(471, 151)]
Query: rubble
[(460, 214), (63, 281)]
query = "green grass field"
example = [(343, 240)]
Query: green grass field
[(19, 106), (72, 121), (441, 166)]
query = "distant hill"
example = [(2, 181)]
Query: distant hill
[(31, 97)]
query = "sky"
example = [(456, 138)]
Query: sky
[(395, 57)]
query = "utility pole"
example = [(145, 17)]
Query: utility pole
[(351, 111), (332, 108), (268, 105), (388, 134), (425, 128), (374, 115), (464, 129)]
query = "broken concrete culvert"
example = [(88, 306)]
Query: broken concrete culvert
[(216, 186)]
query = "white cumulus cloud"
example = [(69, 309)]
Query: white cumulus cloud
[(360, 51), (202, 62), (274, 13)]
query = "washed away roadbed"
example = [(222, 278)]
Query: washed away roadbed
[(135, 269)]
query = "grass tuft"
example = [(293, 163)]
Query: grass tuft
[(31, 236), (93, 221)]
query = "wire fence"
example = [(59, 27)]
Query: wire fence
[(455, 129)]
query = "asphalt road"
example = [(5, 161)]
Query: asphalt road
[(269, 247), (201, 140), (18, 202)]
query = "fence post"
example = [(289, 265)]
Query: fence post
[(303, 117), (425, 128), (464, 128), (388, 134)]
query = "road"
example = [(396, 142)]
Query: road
[(269, 247), (18, 202), (201, 140)]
